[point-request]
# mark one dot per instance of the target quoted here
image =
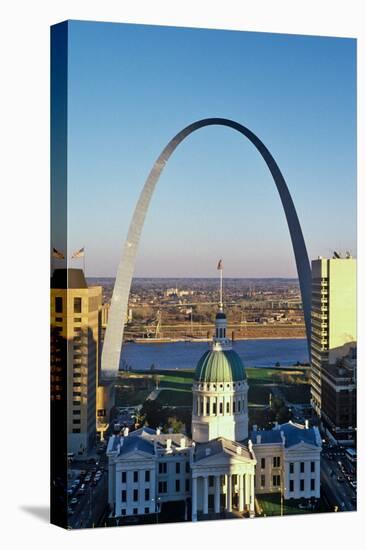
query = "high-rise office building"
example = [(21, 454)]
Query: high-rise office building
[(75, 337), (339, 399), (333, 317)]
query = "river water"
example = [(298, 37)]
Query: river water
[(185, 355)]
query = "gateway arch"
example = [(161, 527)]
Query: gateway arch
[(114, 333)]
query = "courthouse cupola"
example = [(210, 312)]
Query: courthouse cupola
[(220, 389)]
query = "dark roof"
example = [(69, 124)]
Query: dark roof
[(267, 436), (220, 315), (68, 278), (294, 434), (136, 444)]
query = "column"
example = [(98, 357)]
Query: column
[(229, 499), (251, 507), (241, 493), (205, 494), (247, 489), (217, 494), (194, 499)]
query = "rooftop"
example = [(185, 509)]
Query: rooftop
[(221, 445), (293, 433), (220, 366), (68, 278)]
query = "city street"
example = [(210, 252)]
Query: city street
[(339, 492), (91, 505)]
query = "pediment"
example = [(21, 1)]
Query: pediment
[(223, 459), (302, 446), (135, 455)]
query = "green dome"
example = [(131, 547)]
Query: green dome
[(220, 366)]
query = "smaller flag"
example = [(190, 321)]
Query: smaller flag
[(219, 265), (78, 254), (57, 254)]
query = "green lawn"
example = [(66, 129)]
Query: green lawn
[(177, 387), (271, 505)]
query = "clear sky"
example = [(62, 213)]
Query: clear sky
[(133, 87)]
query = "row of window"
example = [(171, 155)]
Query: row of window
[(276, 463), (163, 467), (59, 305), (162, 489), (302, 467), (276, 482), (219, 386), (237, 406), (136, 476), (163, 486), (135, 495)]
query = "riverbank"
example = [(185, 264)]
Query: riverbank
[(192, 340)]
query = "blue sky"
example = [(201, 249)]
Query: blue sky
[(132, 88)]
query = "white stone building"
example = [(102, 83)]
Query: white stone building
[(146, 469), (217, 473), (288, 460)]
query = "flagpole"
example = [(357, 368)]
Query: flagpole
[(221, 304), (84, 260)]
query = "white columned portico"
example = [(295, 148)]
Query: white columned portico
[(205, 494), (217, 493), (194, 499)]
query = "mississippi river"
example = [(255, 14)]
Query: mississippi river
[(185, 355)]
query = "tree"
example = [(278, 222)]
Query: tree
[(175, 424)]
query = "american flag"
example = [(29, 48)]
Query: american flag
[(57, 254), (79, 253)]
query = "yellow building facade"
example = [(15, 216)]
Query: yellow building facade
[(333, 317), (76, 322)]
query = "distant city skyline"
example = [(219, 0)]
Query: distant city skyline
[(131, 88)]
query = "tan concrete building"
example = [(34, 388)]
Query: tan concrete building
[(76, 322), (333, 317)]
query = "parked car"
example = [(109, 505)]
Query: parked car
[(74, 500)]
